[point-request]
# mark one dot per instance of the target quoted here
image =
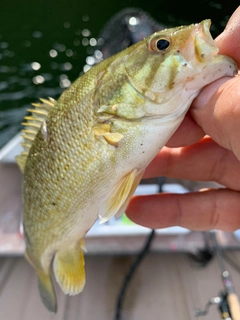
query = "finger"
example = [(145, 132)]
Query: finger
[(217, 111), (228, 41), (203, 161), (213, 209), (182, 137)]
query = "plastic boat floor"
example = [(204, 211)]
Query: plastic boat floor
[(166, 286)]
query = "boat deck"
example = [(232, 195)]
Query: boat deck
[(166, 286)]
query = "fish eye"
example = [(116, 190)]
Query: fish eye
[(162, 44), (159, 44)]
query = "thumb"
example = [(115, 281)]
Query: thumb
[(217, 107), (228, 41)]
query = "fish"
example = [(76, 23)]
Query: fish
[(85, 154)]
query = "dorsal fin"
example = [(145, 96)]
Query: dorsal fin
[(32, 125)]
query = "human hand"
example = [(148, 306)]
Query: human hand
[(190, 155)]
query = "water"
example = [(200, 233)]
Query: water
[(44, 44)]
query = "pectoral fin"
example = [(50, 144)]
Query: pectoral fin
[(134, 186), (120, 197), (69, 269)]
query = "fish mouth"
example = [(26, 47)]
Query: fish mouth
[(200, 45), (205, 48), (200, 49)]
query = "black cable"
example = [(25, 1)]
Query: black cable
[(202, 257), (128, 277)]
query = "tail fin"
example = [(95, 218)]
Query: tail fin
[(47, 291), (45, 286), (69, 269)]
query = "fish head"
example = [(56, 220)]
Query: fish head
[(171, 66)]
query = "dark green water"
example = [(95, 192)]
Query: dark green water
[(42, 50)]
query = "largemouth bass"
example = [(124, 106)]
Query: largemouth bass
[(85, 154)]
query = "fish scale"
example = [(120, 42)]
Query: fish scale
[(85, 154)]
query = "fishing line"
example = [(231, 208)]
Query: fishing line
[(130, 273)]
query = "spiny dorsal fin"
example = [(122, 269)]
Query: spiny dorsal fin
[(32, 125)]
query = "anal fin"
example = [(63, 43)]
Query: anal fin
[(121, 196), (69, 269)]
